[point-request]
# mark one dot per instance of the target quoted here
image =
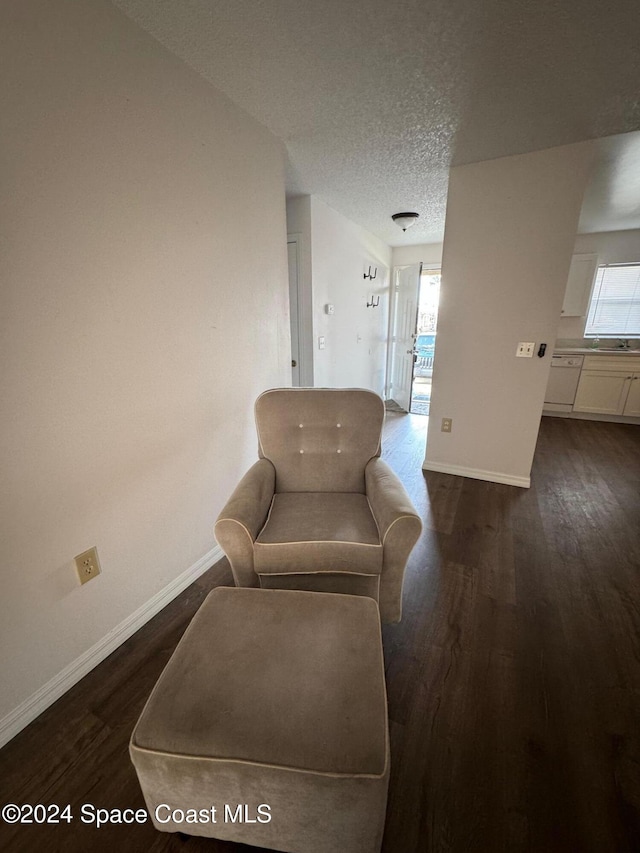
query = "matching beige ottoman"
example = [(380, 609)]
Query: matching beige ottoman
[(269, 724)]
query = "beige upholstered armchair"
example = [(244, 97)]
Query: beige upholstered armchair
[(320, 510)]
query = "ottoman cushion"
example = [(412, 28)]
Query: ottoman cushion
[(277, 698)]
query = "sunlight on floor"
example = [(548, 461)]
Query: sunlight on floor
[(421, 395)]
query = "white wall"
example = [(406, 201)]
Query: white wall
[(430, 254), (144, 307), (356, 336), (336, 254), (509, 237), (612, 247)]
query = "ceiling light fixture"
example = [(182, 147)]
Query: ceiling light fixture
[(405, 220)]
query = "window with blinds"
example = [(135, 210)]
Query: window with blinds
[(615, 302)]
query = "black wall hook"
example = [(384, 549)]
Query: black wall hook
[(375, 301), (368, 275)]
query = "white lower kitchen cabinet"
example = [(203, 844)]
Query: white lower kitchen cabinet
[(602, 391), (609, 386)]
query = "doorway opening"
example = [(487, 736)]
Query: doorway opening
[(428, 298), (412, 338)]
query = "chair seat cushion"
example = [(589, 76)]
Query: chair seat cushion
[(319, 532)]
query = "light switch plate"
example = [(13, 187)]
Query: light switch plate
[(525, 349)]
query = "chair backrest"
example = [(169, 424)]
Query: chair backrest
[(319, 439)]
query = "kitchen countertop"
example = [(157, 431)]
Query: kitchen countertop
[(589, 351)]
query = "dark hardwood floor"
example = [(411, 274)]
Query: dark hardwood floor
[(513, 678)]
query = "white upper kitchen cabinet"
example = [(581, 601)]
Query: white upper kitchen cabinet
[(581, 275)]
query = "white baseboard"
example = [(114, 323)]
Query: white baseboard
[(32, 707), (478, 474), (593, 416)]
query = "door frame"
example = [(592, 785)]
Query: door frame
[(295, 318)]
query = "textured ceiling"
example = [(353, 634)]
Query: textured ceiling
[(612, 200), (376, 100)]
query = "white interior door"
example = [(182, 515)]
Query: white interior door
[(404, 322), (294, 313)]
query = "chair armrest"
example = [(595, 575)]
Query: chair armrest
[(399, 526), (243, 517), (388, 498)]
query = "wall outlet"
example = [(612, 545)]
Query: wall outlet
[(87, 565), (525, 349), (321, 342), (447, 423), (330, 309)]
